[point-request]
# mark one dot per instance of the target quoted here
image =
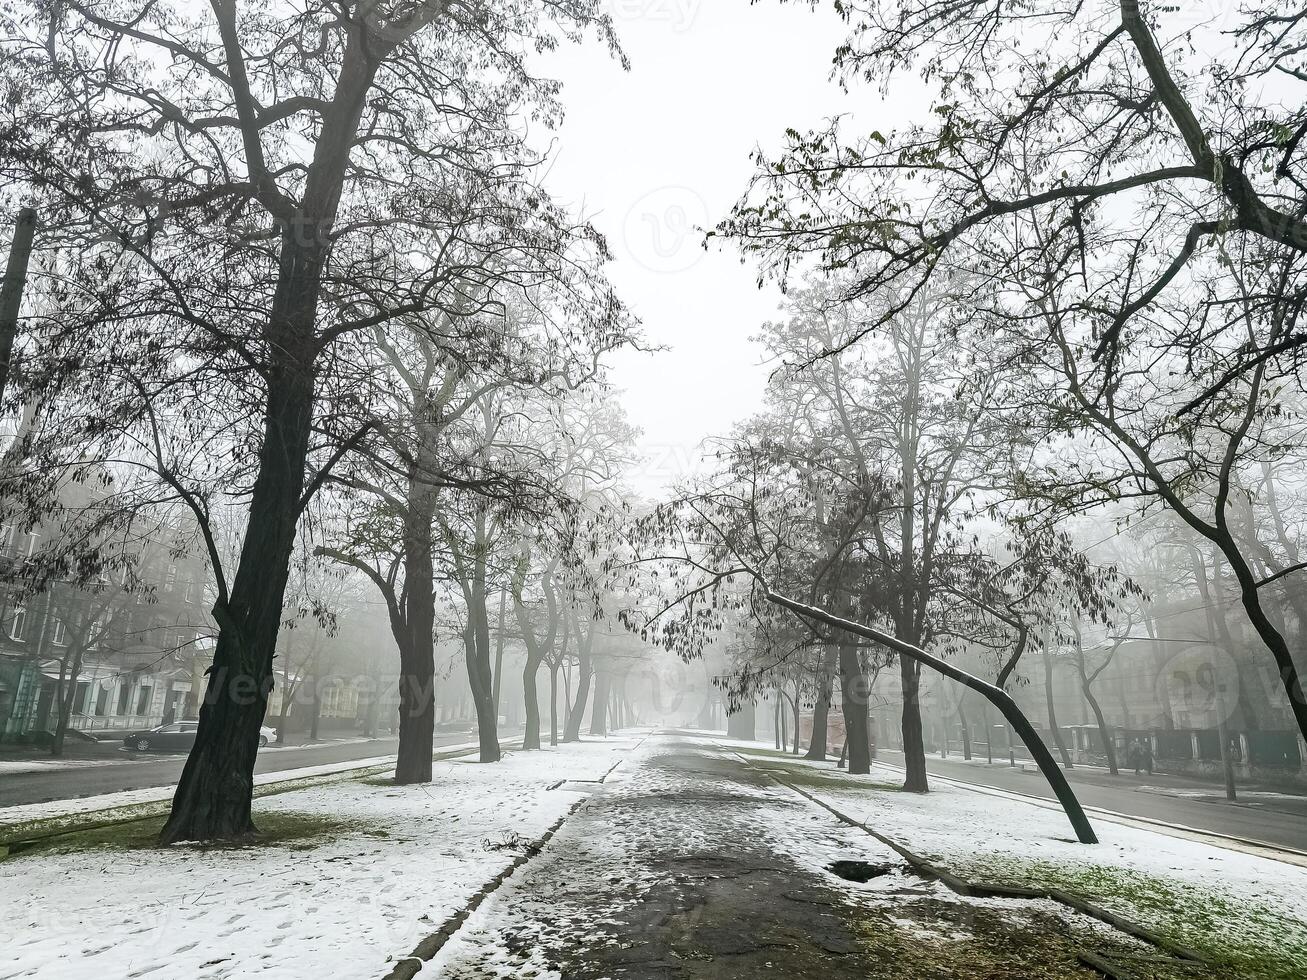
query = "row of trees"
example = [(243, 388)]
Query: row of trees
[(296, 275), (1075, 293)]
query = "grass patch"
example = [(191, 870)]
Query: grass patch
[(277, 828), (963, 941), (802, 773), (1246, 939)]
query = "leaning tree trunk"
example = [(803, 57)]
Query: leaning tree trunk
[(996, 696), (821, 708), (216, 789), (914, 746), (853, 700)]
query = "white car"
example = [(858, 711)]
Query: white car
[(267, 736)]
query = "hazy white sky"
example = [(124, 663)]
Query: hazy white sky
[(652, 153)]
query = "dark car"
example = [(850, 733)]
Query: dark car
[(177, 737)]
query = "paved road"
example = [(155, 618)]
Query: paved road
[(1282, 821), (143, 771)]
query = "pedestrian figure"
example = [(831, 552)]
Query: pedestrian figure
[(1134, 755), (1147, 751)]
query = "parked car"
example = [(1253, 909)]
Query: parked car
[(178, 737)]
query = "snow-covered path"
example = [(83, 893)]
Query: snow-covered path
[(689, 864)]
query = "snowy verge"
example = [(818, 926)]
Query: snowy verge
[(396, 863), (1209, 897)]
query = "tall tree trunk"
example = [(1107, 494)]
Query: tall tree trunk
[(915, 779), (415, 628), (797, 714), (1104, 730), (216, 789), (740, 724), (499, 651), (11, 289), (531, 701), (821, 707), (480, 677), (316, 716), (553, 704), (599, 715), (214, 795), (67, 693), (966, 732), (1052, 710), (853, 701), (777, 720), (576, 715)]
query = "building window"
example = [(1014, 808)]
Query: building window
[(143, 699), (101, 701), (31, 543), (81, 702), (59, 634), (170, 580), (18, 625), (6, 537), (124, 697), (188, 594)]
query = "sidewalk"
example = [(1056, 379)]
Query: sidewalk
[(691, 865)]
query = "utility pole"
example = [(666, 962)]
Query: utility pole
[(11, 290), (1221, 732)]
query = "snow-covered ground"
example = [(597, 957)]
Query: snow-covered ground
[(105, 802), (341, 905), (47, 765), (1142, 873)]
